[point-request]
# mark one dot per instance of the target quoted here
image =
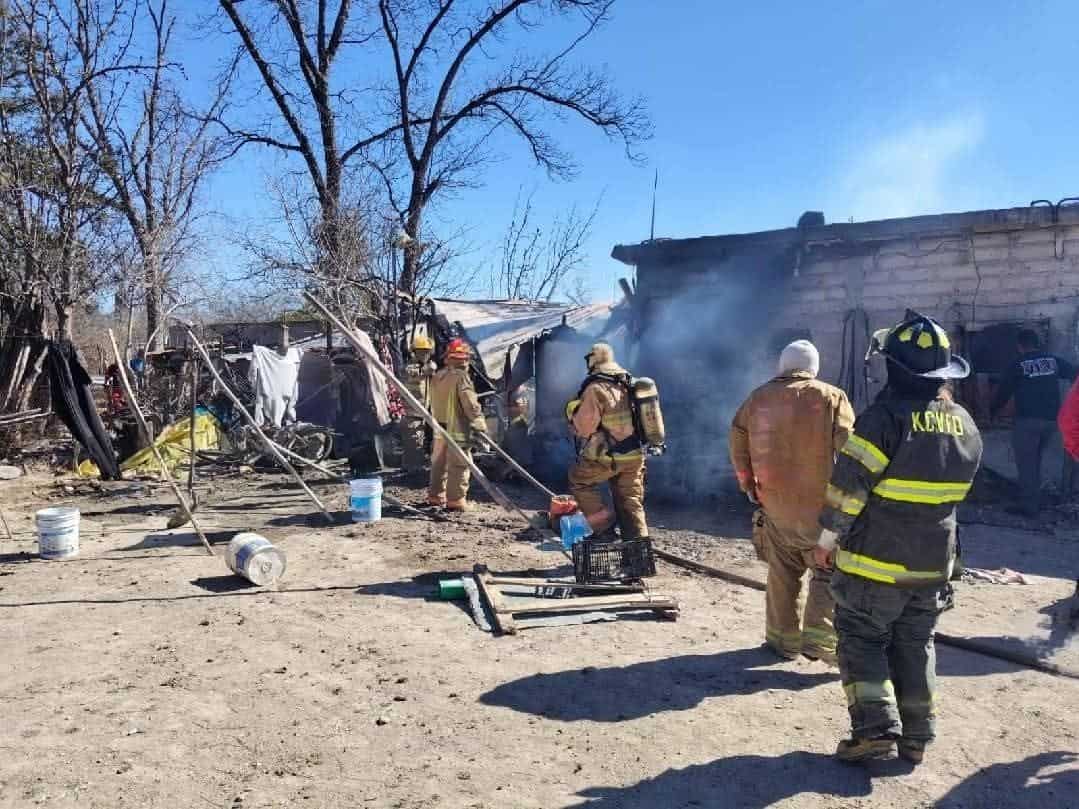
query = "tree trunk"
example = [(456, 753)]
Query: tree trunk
[(154, 328), (410, 272), (23, 344), (29, 380)]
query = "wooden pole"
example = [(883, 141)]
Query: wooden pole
[(414, 403), (270, 445), (509, 459), (153, 447), (194, 404), (389, 498)]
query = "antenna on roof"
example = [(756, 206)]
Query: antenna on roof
[(652, 230)]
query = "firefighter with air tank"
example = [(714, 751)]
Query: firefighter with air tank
[(618, 419)]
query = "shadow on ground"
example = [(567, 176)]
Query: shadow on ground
[(182, 539), (1044, 781), (312, 519), (671, 684), (744, 782), (223, 584)]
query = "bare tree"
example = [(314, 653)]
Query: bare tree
[(154, 152), (424, 128), (58, 229), (536, 259), (449, 100), (579, 293), (296, 49), (364, 279)]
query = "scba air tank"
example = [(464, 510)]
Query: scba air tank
[(649, 413)]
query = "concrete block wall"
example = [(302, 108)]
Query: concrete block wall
[(1019, 275)]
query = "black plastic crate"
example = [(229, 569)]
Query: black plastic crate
[(595, 562)]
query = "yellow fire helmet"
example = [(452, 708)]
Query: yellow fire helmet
[(920, 346), (421, 342)]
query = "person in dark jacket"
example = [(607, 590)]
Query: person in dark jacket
[(1033, 380), (890, 533)]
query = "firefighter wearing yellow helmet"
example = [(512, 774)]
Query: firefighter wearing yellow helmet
[(890, 531), (418, 373), (602, 416)]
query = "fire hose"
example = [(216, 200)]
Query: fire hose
[(966, 644)]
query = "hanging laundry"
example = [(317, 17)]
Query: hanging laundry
[(275, 379)]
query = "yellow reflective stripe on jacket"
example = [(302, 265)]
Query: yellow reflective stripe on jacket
[(921, 491), (870, 692), (841, 501), (867, 567), (865, 453)]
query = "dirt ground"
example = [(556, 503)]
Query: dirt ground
[(142, 673)]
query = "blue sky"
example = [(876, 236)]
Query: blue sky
[(866, 110)]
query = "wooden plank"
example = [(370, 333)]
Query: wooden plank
[(503, 618), (586, 603), (545, 583)]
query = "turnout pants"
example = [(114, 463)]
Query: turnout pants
[(626, 479), (886, 655), (449, 475), (789, 555), (1030, 437)]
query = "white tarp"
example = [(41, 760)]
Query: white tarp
[(497, 326), (276, 382)]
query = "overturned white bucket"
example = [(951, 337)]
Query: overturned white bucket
[(255, 558), (57, 532)]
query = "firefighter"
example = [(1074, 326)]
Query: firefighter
[(602, 417), (783, 443), (418, 373), (455, 406), (891, 507)]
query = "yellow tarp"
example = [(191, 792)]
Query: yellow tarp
[(174, 444)]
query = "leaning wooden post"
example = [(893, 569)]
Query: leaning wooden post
[(194, 406), (270, 445), (153, 447), (414, 403)]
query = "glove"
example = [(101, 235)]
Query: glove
[(824, 550), (571, 408), (476, 438)]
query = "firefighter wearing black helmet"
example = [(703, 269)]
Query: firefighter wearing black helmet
[(890, 532)]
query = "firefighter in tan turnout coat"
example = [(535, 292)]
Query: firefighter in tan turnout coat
[(602, 417), (456, 407), (418, 373), (783, 443)]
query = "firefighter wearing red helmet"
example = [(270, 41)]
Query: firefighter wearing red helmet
[(456, 407)]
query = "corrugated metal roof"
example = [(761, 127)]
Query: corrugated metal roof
[(497, 326)]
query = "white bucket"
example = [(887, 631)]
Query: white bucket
[(57, 532), (365, 499), (255, 558)]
